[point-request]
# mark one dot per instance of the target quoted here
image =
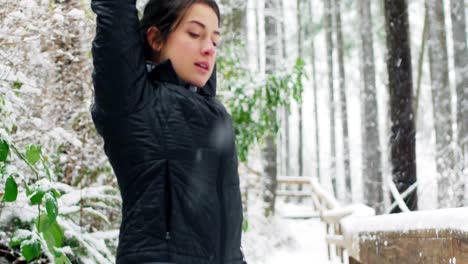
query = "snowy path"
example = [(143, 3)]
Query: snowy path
[(295, 235), (310, 244), (308, 234)]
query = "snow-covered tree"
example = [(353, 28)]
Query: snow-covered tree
[(371, 160), (402, 139)]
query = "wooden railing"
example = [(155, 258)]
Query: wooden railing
[(329, 209), (293, 181)]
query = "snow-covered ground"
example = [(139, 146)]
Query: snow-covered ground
[(310, 244), (287, 238), (295, 235)]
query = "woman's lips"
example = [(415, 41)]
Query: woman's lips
[(202, 66)]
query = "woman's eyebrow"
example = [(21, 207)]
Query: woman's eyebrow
[(216, 32)]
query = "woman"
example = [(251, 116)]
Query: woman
[(169, 141)]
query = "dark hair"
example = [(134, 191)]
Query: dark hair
[(166, 15)]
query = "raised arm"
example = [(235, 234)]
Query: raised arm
[(119, 75)]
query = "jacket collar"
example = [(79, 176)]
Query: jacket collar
[(165, 72)]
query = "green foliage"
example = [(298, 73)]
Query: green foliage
[(62, 259), (51, 206), (4, 150), (50, 229), (20, 108), (29, 243), (19, 236), (253, 101), (16, 85), (33, 154), (36, 196), (38, 193), (11, 190), (3, 170), (31, 249), (245, 225)]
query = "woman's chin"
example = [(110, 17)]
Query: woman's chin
[(198, 83)]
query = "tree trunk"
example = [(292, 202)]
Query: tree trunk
[(457, 8), (329, 45), (315, 87), (402, 140), (269, 151), (371, 154), (234, 21), (286, 110), (441, 99), (422, 51), (257, 31), (300, 54), (343, 99)]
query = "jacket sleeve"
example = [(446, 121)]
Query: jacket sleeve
[(119, 75)]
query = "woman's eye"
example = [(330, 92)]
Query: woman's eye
[(194, 35)]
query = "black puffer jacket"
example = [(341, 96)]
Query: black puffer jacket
[(172, 151)]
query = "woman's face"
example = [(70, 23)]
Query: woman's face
[(191, 47)]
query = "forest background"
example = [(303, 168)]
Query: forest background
[(347, 92)]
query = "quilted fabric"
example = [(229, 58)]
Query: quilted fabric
[(171, 149)]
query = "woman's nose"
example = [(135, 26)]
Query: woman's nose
[(208, 48)]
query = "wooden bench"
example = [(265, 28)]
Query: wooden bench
[(439, 236), (417, 246)]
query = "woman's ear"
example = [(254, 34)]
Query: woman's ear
[(152, 36)]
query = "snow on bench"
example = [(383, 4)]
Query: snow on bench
[(437, 236)]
